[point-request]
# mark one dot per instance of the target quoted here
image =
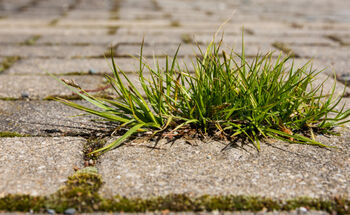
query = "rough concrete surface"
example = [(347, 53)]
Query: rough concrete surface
[(40, 87), (280, 170), (47, 118), (37, 165)]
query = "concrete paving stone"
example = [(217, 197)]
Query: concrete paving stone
[(37, 165), (343, 39), (14, 22), (52, 31), (105, 40), (267, 39), (39, 87), (99, 66), (301, 32), (59, 66), (111, 23), (67, 51), (62, 4), (149, 38), (88, 14), (141, 14), (35, 15), (14, 5), (48, 118), (324, 25), (280, 170), (13, 38), (321, 52), (188, 50), (226, 28), (108, 40), (172, 30), (94, 5)]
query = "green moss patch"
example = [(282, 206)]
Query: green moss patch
[(12, 134), (21, 203), (81, 192)]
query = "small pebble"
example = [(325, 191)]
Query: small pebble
[(92, 72), (302, 210), (51, 211), (208, 157), (69, 211), (91, 162), (24, 95)]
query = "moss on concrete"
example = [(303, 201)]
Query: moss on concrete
[(9, 99), (12, 134), (21, 203), (81, 192)]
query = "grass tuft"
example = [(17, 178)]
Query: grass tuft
[(227, 97)]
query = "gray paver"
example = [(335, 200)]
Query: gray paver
[(47, 118), (44, 30), (36, 66), (188, 50), (111, 23), (12, 38), (280, 170), (322, 52), (100, 66), (39, 87), (53, 51), (36, 165), (106, 40)]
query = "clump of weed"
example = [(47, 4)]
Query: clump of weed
[(226, 96)]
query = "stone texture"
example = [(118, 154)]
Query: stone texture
[(12, 38), (44, 30), (48, 118), (39, 87), (188, 50), (53, 51), (280, 170), (324, 53), (35, 66), (37, 165)]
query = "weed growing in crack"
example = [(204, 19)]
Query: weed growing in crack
[(226, 97)]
